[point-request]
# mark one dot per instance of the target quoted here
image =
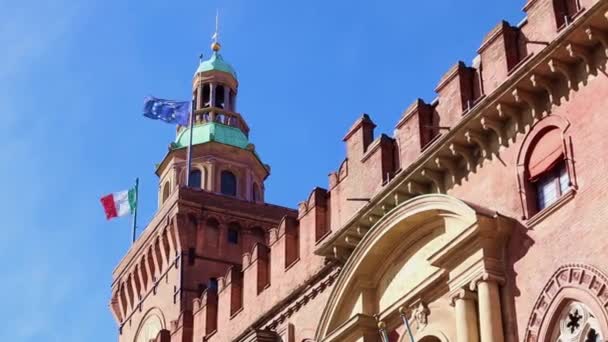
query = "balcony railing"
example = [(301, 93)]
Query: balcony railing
[(219, 115)]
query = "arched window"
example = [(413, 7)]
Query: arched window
[(545, 166), (255, 192), (166, 192), (576, 323), (228, 186), (196, 179), (233, 233)]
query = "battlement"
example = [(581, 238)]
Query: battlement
[(370, 163), (520, 73), (268, 275)]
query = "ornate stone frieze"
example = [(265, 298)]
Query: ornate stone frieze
[(581, 277)]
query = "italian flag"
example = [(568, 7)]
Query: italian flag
[(120, 203)]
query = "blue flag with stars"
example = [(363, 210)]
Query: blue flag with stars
[(169, 111)]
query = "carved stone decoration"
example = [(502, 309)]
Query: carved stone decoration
[(420, 316), (584, 278)]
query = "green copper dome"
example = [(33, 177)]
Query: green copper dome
[(212, 131), (216, 62)]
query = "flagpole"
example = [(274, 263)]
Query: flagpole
[(135, 209), (189, 163), (407, 324)]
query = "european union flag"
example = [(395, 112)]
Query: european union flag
[(169, 111)]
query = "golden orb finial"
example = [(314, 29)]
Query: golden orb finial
[(381, 325), (215, 46)]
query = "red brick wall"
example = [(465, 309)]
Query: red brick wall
[(264, 286), (575, 233)]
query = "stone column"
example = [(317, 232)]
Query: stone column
[(490, 313), (248, 194), (466, 316), (212, 94), (199, 96)]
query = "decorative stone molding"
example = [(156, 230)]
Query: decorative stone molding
[(585, 279), (487, 277), (473, 250), (462, 293), (257, 335), (421, 315)]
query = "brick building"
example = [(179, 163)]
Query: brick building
[(481, 219)]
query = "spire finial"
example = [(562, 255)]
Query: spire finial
[(215, 46)]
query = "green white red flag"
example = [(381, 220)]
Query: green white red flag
[(120, 203)]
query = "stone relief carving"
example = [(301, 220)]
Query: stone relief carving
[(582, 277), (420, 315)]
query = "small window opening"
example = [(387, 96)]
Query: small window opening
[(213, 283), (233, 236), (228, 183), (565, 11), (195, 180)]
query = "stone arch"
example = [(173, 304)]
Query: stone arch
[(422, 229), (204, 174), (149, 327), (574, 282)]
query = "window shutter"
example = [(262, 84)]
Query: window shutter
[(546, 154)]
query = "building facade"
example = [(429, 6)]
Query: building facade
[(483, 218)]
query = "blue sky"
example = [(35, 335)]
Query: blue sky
[(73, 75)]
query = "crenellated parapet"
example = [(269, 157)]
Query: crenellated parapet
[(314, 213), (248, 294), (521, 74), (205, 313)]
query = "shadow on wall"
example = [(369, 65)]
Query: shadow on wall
[(519, 245)]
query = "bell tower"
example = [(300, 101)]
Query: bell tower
[(200, 232), (231, 167)]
